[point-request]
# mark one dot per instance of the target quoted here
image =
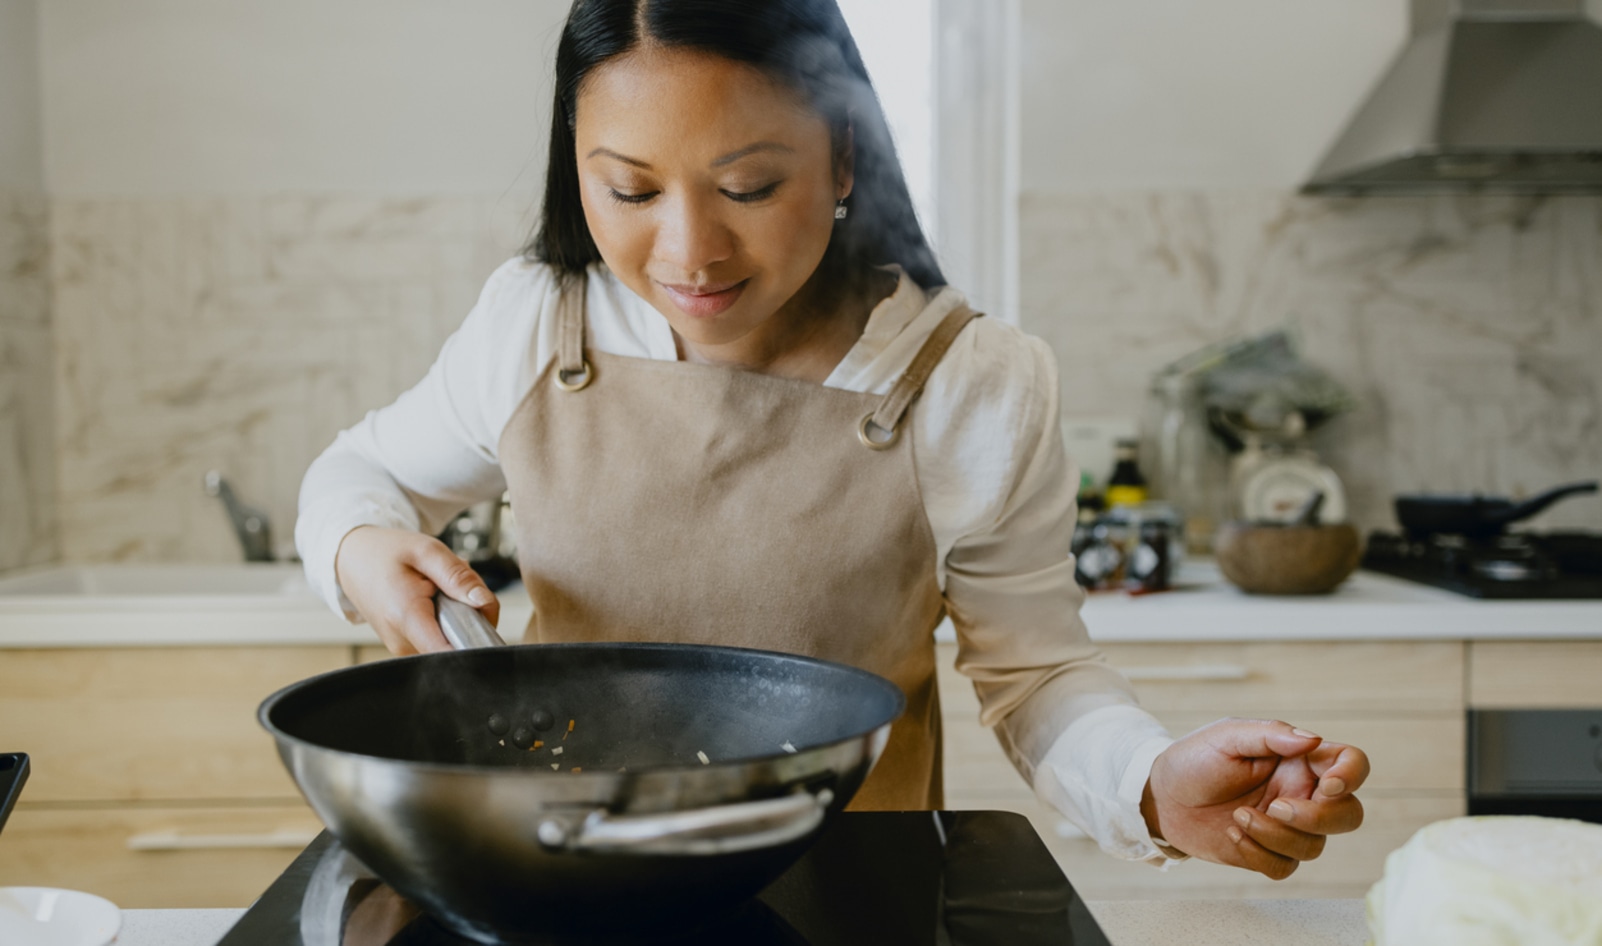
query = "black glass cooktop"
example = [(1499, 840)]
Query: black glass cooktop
[(964, 878)]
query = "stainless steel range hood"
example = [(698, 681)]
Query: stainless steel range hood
[(1496, 96)]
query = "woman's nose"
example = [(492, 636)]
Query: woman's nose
[(692, 237)]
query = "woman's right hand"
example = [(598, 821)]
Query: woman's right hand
[(390, 575)]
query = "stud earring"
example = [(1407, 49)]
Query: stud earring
[(841, 210)]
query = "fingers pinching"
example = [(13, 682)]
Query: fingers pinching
[(1278, 837), (1340, 768), (1260, 738), (1253, 856), (1317, 815)]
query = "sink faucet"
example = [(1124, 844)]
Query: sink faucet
[(250, 524)]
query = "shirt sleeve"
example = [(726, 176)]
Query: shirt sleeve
[(1069, 722), (432, 453)]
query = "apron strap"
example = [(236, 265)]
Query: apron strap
[(881, 429), (573, 372)]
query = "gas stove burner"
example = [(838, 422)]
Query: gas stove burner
[(1503, 569), (1511, 565)]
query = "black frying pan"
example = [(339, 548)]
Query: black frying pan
[(425, 768), (1475, 516)]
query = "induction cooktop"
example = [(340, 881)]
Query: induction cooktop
[(943, 878)]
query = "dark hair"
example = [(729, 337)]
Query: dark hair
[(802, 43)]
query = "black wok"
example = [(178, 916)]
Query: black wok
[(419, 766), (1474, 516)]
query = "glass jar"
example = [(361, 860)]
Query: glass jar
[(1189, 468)]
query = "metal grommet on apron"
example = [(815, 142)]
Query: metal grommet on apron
[(573, 371), (699, 504), (875, 437), (575, 379), (882, 428)]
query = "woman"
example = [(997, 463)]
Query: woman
[(734, 404)]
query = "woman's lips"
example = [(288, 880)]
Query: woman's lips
[(704, 301)]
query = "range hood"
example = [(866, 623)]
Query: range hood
[(1494, 96)]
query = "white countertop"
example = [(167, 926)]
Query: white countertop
[(182, 606), (1368, 606), (201, 605), (1126, 922)]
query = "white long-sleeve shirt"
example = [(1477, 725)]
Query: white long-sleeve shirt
[(995, 482)]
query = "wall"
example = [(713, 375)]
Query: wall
[(176, 98), (27, 464), (1161, 151), (267, 218)]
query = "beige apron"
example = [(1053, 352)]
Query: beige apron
[(683, 503)]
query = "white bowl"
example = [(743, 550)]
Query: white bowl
[(45, 916)]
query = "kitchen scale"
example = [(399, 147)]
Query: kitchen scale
[(1277, 472), (943, 878)]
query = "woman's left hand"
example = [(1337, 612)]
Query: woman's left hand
[(1254, 793)]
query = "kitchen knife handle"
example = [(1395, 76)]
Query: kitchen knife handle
[(13, 774), (464, 626)]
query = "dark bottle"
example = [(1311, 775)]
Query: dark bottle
[(1126, 486)]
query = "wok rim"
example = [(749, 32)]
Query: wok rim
[(283, 738)]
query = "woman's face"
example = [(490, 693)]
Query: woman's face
[(708, 187)]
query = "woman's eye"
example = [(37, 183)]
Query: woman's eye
[(747, 197), (623, 198)]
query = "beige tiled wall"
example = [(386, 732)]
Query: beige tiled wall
[(240, 335), (27, 456), (1469, 327)]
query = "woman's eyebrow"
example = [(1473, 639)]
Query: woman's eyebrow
[(749, 150), (727, 159), (609, 153)]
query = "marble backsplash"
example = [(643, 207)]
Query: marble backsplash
[(239, 335), (1470, 328), (27, 455)]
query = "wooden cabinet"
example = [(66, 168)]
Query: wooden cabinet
[(152, 783), (157, 856), (1535, 674), (1263, 679), (1402, 702)]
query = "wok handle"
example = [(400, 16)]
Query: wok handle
[(464, 626), (724, 829)]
